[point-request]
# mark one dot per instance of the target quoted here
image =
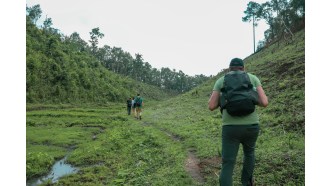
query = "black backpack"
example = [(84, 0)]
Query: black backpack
[(237, 94)]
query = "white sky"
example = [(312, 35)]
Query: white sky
[(195, 36)]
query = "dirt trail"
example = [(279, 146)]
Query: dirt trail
[(198, 169), (193, 168), (171, 135), (192, 164)]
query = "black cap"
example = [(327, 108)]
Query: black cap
[(236, 62)]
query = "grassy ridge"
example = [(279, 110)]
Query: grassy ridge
[(281, 68), (280, 145), (111, 148), (57, 72)]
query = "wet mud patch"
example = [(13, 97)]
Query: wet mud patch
[(210, 167), (192, 166), (200, 169)]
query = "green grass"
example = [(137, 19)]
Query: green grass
[(152, 151), (111, 148)]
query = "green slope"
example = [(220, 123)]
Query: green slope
[(58, 72), (280, 150), (281, 68)]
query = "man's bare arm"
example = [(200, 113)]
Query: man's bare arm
[(263, 100), (214, 100)]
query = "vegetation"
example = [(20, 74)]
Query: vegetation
[(76, 109), (66, 69), (283, 17), (111, 148), (63, 76)]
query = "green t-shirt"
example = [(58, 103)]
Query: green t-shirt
[(138, 99), (227, 119)]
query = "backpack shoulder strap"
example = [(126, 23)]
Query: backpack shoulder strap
[(223, 89), (247, 80)]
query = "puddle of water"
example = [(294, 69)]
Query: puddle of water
[(59, 169)]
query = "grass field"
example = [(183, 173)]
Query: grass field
[(177, 142)]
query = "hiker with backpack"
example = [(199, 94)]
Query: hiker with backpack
[(237, 93), (139, 103), (129, 105)]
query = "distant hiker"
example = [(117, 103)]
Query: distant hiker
[(133, 106), (240, 122), (139, 103), (129, 106)]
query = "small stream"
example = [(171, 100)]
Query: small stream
[(59, 169)]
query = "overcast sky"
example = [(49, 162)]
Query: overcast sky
[(195, 36)]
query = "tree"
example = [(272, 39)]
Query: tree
[(127, 64), (266, 13), (283, 17), (137, 67), (282, 9), (181, 81), (116, 58), (48, 23), (297, 13), (104, 55), (251, 13), (155, 77), (298, 6), (95, 35), (146, 73), (76, 42), (34, 13)]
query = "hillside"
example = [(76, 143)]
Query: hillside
[(281, 69), (67, 69), (280, 148), (56, 72)]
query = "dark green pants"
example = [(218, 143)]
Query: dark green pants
[(232, 137), (129, 110)]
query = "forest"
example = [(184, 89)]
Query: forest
[(63, 68), (283, 17)]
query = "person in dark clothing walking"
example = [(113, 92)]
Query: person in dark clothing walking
[(129, 106), (240, 123)]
